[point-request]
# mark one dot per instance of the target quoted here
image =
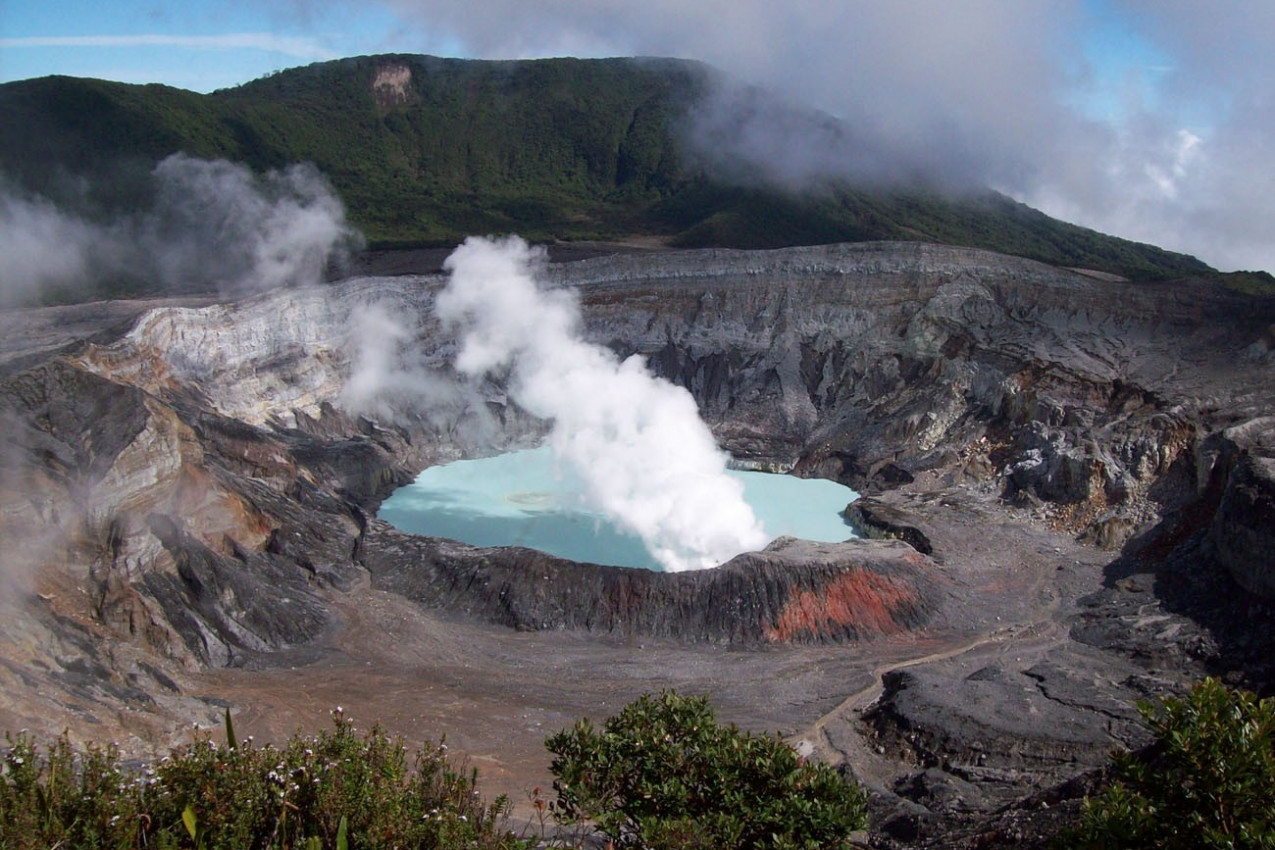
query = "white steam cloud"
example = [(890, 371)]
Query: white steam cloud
[(637, 441), (379, 377), (391, 380), (41, 247), (206, 226)]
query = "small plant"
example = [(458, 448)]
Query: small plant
[(663, 773), (1208, 781), (340, 789)]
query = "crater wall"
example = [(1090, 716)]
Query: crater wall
[(191, 483)]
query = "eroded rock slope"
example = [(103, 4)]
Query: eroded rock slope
[(194, 485)]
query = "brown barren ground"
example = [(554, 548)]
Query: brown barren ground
[(496, 694)]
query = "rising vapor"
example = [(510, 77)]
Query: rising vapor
[(637, 441), (391, 380), (208, 226)]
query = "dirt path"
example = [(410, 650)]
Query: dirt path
[(835, 738), (870, 768), (1024, 575)]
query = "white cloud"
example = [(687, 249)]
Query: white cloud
[(984, 91), (298, 47)]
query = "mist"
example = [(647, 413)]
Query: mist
[(1149, 120), (37, 529), (391, 380), (648, 461), (204, 226)]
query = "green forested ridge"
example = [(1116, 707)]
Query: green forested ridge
[(553, 149)]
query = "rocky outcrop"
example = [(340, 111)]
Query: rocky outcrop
[(201, 538), (197, 476), (1241, 531), (995, 727), (873, 364), (1242, 528), (871, 518), (793, 592), (1092, 400)]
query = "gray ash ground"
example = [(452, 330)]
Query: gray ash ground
[(1026, 681), (1083, 462)]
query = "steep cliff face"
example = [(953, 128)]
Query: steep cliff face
[(201, 476), (876, 364), (172, 515), (1241, 531)]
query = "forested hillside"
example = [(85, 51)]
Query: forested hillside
[(424, 151)]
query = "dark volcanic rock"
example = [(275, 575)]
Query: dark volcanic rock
[(871, 518), (1031, 823), (793, 592), (201, 537), (1243, 532), (878, 364), (189, 486), (985, 723), (225, 607), (998, 731)]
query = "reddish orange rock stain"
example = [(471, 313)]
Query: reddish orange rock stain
[(862, 600)]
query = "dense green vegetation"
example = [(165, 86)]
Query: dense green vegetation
[(1207, 782), (1250, 283), (664, 773), (339, 789), (554, 149)]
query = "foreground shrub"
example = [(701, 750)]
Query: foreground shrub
[(664, 774), (1208, 781), (335, 790)]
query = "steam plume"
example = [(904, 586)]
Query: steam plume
[(378, 375), (637, 441), (390, 379), (207, 226)]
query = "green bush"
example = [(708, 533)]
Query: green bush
[(339, 789), (663, 773), (1208, 781)]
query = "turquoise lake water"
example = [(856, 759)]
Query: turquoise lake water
[(526, 498)]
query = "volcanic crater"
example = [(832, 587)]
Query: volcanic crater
[(1067, 505)]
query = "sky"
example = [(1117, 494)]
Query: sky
[(1149, 119)]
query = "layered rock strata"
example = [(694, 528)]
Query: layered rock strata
[(194, 485)]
